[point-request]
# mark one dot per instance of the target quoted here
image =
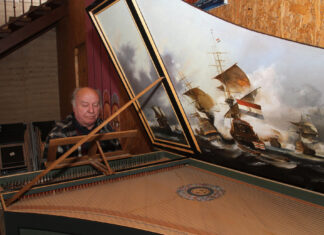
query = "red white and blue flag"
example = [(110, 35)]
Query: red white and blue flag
[(259, 145), (250, 109)]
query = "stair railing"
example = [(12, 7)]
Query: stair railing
[(15, 8)]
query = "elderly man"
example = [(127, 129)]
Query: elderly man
[(85, 118)]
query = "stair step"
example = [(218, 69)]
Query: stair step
[(5, 28), (4, 31), (54, 3), (18, 22), (41, 8), (23, 18), (37, 11)]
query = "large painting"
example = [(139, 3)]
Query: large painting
[(253, 102), (138, 65)]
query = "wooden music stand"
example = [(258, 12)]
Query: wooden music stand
[(93, 158), (80, 142)]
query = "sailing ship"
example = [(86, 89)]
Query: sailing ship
[(163, 129), (307, 136), (202, 101), (206, 129), (234, 80), (203, 104), (161, 119)]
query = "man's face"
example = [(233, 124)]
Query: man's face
[(87, 107)]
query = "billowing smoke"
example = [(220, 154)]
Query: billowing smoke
[(140, 78)]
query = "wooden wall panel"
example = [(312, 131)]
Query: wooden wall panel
[(297, 20), (70, 35), (29, 82), (81, 65), (94, 56)]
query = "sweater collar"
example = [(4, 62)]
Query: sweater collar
[(81, 129)]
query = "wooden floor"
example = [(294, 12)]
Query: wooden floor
[(151, 202)]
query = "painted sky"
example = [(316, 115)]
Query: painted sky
[(124, 38), (290, 75)]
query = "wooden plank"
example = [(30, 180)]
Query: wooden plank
[(99, 137), (53, 143), (77, 162), (300, 21), (85, 157), (3, 202), (99, 167), (82, 141), (103, 157)]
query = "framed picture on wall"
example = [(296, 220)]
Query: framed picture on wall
[(136, 58)]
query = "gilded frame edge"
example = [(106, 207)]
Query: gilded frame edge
[(192, 145)]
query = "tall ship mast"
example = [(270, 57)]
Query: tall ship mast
[(203, 104), (161, 118), (234, 81)]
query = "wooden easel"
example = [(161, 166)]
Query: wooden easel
[(82, 141), (92, 157)]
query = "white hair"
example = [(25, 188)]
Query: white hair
[(76, 90)]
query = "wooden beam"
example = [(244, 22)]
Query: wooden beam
[(85, 157), (99, 137), (53, 143), (82, 141), (99, 166), (103, 157), (79, 162), (84, 160)]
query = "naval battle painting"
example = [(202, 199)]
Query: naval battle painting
[(253, 101), (249, 101)]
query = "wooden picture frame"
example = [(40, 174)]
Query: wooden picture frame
[(138, 63)]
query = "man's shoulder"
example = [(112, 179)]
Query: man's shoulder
[(63, 128), (66, 121)]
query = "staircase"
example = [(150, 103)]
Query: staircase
[(19, 30)]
